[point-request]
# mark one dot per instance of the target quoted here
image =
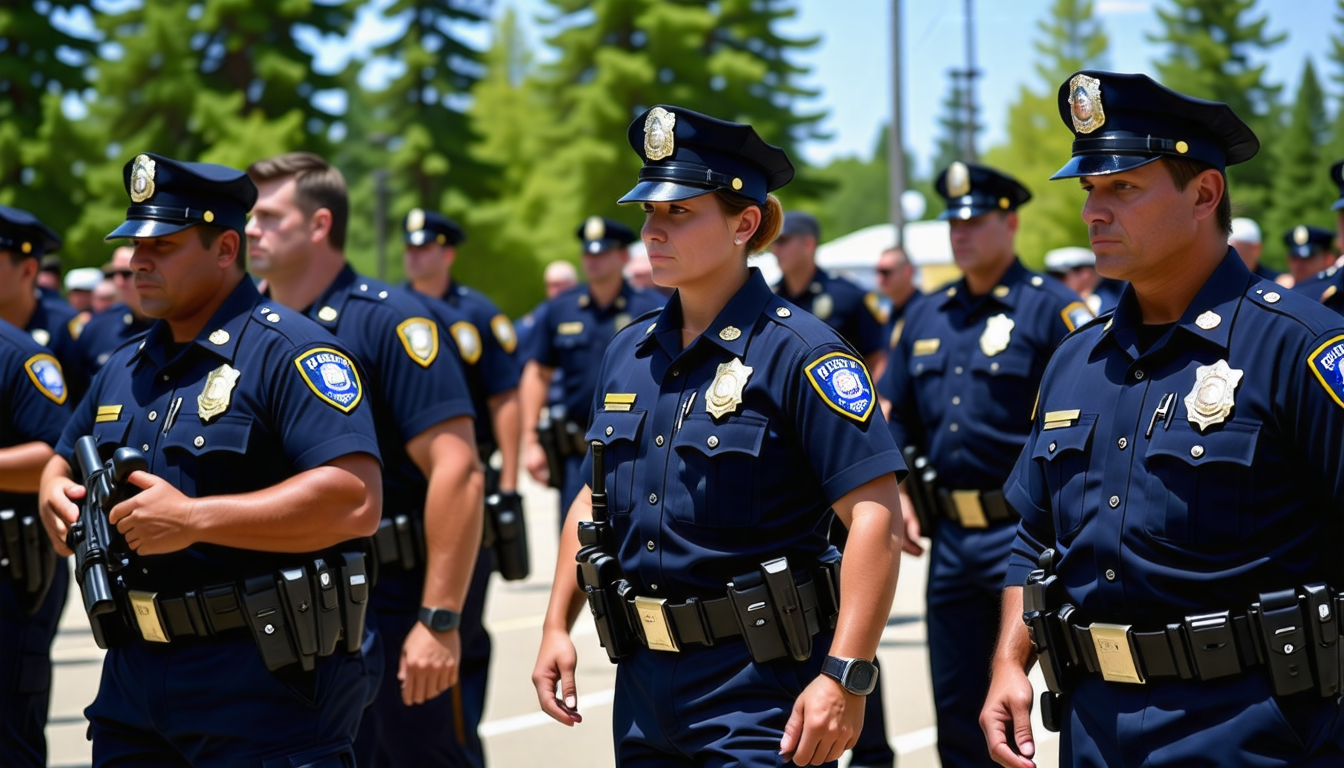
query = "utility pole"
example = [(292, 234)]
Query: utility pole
[(970, 74), (895, 144)]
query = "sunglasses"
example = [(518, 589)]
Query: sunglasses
[(886, 271), (120, 273)]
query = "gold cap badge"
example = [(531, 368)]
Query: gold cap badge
[(958, 179), (415, 220), (142, 179), (1085, 104), (658, 134), (1301, 235), (594, 228)]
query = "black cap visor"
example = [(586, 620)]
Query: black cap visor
[(663, 192), (142, 229), (1102, 165)]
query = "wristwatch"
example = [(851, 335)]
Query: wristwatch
[(440, 619), (858, 676)]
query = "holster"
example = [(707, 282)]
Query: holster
[(400, 541), (548, 436), (504, 515), (770, 613), (27, 559), (921, 490), (607, 592)]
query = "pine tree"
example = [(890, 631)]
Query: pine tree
[(951, 142), (1301, 187), (1210, 48), (1038, 143), (1334, 149)]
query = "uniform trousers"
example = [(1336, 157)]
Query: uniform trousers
[(25, 669)]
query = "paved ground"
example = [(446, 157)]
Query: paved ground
[(516, 733)]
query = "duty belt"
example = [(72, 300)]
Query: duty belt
[(975, 509), (664, 626)]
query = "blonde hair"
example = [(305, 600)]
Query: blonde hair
[(772, 217)]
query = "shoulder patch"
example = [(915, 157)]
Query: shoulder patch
[(874, 304), (896, 332), (45, 374), (1327, 362), (420, 338), (1075, 315), (843, 382), (501, 326), (76, 326), (332, 377), (468, 341)]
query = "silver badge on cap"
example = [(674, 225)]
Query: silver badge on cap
[(142, 179), (958, 179), (658, 133), (415, 220), (1301, 235), (594, 228), (1085, 104)]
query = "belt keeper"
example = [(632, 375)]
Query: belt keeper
[(696, 607), (1179, 652), (194, 613)]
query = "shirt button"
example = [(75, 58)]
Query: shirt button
[(1122, 442), (953, 427), (958, 370), (1197, 451), (1051, 448), (1138, 375), (145, 448), (653, 587), (198, 442), (676, 372), (919, 367), (653, 498), (713, 441), (956, 401), (993, 366), (1115, 502), (153, 415), (1110, 575), (609, 431), (658, 440), (165, 377), (651, 546)]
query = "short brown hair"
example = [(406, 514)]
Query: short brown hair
[(1184, 171), (317, 185), (209, 233), (772, 217)]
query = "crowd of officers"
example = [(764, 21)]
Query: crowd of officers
[(331, 462)]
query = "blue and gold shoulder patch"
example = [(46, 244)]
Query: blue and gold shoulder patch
[(873, 302), (468, 341), (1327, 362), (1075, 315), (843, 382), (332, 377), (46, 375), (504, 333), (420, 338)]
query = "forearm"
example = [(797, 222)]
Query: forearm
[(505, 413), (1014, 647), (453, 518), (21, 466), (868, 573), (532, 397), (312, 510), (567, 600)]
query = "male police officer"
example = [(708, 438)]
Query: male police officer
[(1181, 486), (107, 330), (33, 582), (856, 315), (572, 332), (1310, 251), (896, 281), (1076, 268), (961, 383), (240, 605), (49, 320), (431, 528), (1328, 286), (484, 340)]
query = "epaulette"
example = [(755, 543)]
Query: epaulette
[(1310, 313)]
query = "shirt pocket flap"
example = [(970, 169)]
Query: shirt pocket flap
[(739, 435), (612, 426), (1229, 443), (1054, 443), (571, 340), (1010, 363), (224, 433), (111, 432), (926, 364)]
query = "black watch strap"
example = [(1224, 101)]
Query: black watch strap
[(440, 619), (858, 676)]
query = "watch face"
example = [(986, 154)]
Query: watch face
[(862, 676)]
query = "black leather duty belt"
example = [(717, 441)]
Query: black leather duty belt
[(975, 509), (665, 626)]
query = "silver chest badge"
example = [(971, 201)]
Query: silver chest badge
[(725, 392), (998, 332), (1211, 400)]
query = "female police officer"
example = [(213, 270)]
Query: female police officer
[(731, 424)]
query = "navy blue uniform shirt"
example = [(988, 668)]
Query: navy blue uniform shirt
[(35, 398), (895, 325), (101, 336), (54, 325), (697, 498), (1327, 287), (571, 334), (1158, 518), (962, 379), (495, 327), (411, 385), (259, 396), (855, 315)]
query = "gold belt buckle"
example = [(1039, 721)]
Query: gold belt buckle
[(653, 618), (147, 616), (1115, 654), (970, 513)]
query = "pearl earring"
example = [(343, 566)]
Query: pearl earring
[(737, 241)]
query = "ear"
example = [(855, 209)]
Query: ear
[(1012, 221), (227, 246), (747, 223), (27, 269), (1209, 187), (319, 225)]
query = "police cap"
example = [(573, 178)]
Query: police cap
[(422, 226), (970, 190), (687, 154), (1337, 175), (1305, 241), (169, 196), (602, 234), (1124, 121), (21, 233)]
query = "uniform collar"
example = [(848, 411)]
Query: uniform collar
[(219, 336), (1215, 305), (739, 314), (815, 285), (335, 297), (1006, 292), (584, 299)]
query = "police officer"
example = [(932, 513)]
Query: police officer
[(961, 383), (484, 341), (110, 329), (1327, 287), (1076, 268), (896, 281), (1309, 251), (731, 422), (855, 314), (49, 320), (262, 468), (572, 331), (1183, 469), (431, 528), (33, 582)]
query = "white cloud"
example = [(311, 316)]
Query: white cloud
[(1122, 7)]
